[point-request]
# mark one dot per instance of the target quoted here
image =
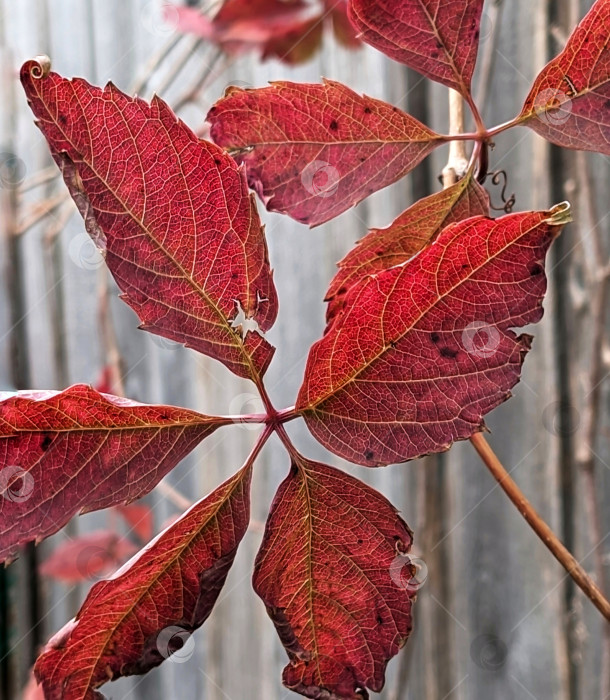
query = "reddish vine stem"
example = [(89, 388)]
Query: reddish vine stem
[(286, 441), (512, 490), (550, 539), (485, 134)]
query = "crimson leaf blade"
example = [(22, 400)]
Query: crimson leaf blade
[(424, 350), (313, 151), (172, 214), (417, 226), (326, 572), (133, 621), (286, 30), (568, 103), (75, 451), (438, 38)]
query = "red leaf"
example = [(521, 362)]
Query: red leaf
[(87, 556), (233, 11), (570, 99), (438, 38), (77, 450), (297, 44), (140, 518), (105, 380), (326, 572), (131, 622), (287, 31), (408, 234), (172, 213), (313, 151), (342, 27), (424, 350)]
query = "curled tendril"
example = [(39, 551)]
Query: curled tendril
[(507, 202), (41, 67)]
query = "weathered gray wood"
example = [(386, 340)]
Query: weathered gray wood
[(490, 622)]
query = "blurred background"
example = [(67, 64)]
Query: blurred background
[(496, 616)]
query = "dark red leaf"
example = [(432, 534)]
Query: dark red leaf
[(233, 11), (407, 235), (329, 573), (569, 103), (313, 151), (342, 27), (76, 451), (87, 556), (131, 622), (438, 38), (277, 29), (424, 350), (171, 213), (297, 44), (140, 518)]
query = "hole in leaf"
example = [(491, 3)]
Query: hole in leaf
[(241, 323)]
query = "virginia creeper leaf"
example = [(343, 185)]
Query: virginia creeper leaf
[(422, 351), (76, 451), (87, 556), (324, 571), (569, 103), (276, 28), (172, 214), (438, 38), (313, 151), (408, 234), (131, 622)]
